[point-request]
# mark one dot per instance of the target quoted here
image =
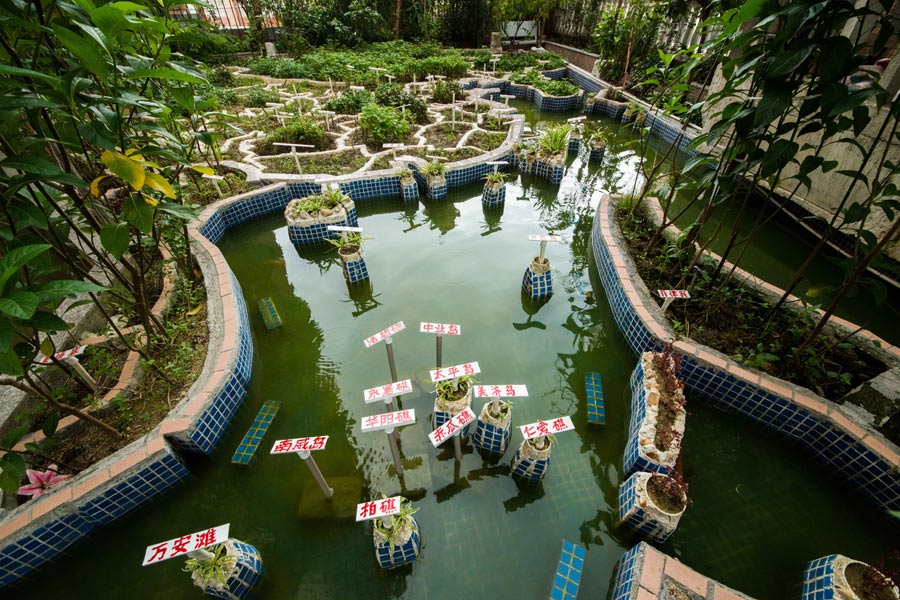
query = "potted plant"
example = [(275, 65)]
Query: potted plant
[(493, 428), (532, 459), (406, 177), (837, 576), (330, 206), (397, 537), (553, 144), (494, 181), (349, 246), (228, 570), (668, 493), (453, 395), (212, 571), (434, 173), (652, 504)]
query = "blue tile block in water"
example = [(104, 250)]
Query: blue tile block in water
[(269, 313), (247, 448), (594, 393), (568, 572)]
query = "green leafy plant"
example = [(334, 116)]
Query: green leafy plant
[(393, 95), (383, 124), (403, 173), (555, 140), (495, 178), (349, 102), (332, 197), (258, 97), (299, 130), (443, 91), (398, 522), (213, 569), (433, 169)]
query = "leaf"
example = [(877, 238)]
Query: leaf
[(165, 73), (6, 334), (10, 364), (83, 49), (195, 310), (160, 184), (203, 169), (139, 213), (179, 210), (18, 258), (19, 304), (116, 238), (17, 72), (50, 424), (772, 105), (779, 154), (47, 346), (95, 185), (834, 54), (60, 288), (854, 213), (785, 64), (36, 165), (26, 214), (127, 169), (12, 469)]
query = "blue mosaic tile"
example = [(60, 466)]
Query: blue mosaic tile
[(491, 198), (410, 192), (819, 579), (593, 387), (632, 516), (568, 572), (538, 286), (628, 574), (356, 271), (248, 446), (270, 316), (490, 438), (391, 557), (528, 470)]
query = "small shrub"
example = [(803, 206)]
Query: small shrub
[(350, 102), (383, 124), (393, 95), (434, 169), (221, 77), (443, 91), (259, 96), (555, 139), (300, 130)]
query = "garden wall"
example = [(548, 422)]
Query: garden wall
[(860, 455)]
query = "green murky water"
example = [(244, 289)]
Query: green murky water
[(761, 507)]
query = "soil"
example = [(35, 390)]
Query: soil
[(181, 358), (734, 321), (339, 163), (662, 491), (868, 583), (444, 135)]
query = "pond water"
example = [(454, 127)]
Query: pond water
[(761, 508)]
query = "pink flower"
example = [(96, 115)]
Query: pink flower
[(38, 482)]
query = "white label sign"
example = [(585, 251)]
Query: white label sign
[(576, 119), (46, 360), (300, 444), (442, 328), (388, 420), (387, 391), (384, 333), (442, 373), (378, 508), (392, 145), (180, 546), (451, 427), (545, 238), (553, 426), (673, 293), (500, 391), (344, 228)]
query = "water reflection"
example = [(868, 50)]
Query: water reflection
[(362, 296), (492, 217)]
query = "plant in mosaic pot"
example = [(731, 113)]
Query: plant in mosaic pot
[(667, 492), (494, 181), (840, 577), (228, 571), (212, 570), (662, 427), (349, 245), (868, 583), (406, 177), (497, 412), (434, 173), (538, 448), (454, 395), (331, 206), (396, 537), (597, 139), (553, 144)]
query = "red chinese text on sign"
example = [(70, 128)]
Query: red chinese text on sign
[(46, 360), (299, 444), (442, 328), (501, 391), (378, 508), (181, 545), (673, 293), (451, 427), (384, 333), (387, 420), (550, 426), (382, 392), (453, 372)]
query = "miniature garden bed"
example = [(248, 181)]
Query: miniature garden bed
[(487, 140), (732, 323), (333, 163)]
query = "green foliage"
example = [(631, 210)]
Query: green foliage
[(257, 97), (404, 173), (221, 76), (308, 24), (203, 43), (397, 521), (555, 139), (352, 240), (626, 39), (433, 169), (382, 124), (401, 59), (498, 177), (392, 94), (213, 569), (534, 78), (444, 91), (349, 102), (299, 130)]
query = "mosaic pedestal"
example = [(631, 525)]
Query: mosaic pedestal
[(492, 433), (444, 411), (824, 579), (644, 410), (436, 187), (530, 464), (551, 169), (314, 230), (391, 556), (638, 513), (243, 576), (409, 190), (573, 145), (493, 195), (354, 267), (597, 153), (538, 281)]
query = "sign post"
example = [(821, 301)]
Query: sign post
[(495, 392), (386, 334), (294, 152), (191, 545), (452, 428), (389, 422), (543, 239), (669, 295), (302, 447), (496, 164), (542, 429), (215, 181), (439, 329)]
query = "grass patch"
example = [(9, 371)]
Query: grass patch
[(339, 163)]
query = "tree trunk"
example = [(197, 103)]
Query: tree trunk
[(397, 20)]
